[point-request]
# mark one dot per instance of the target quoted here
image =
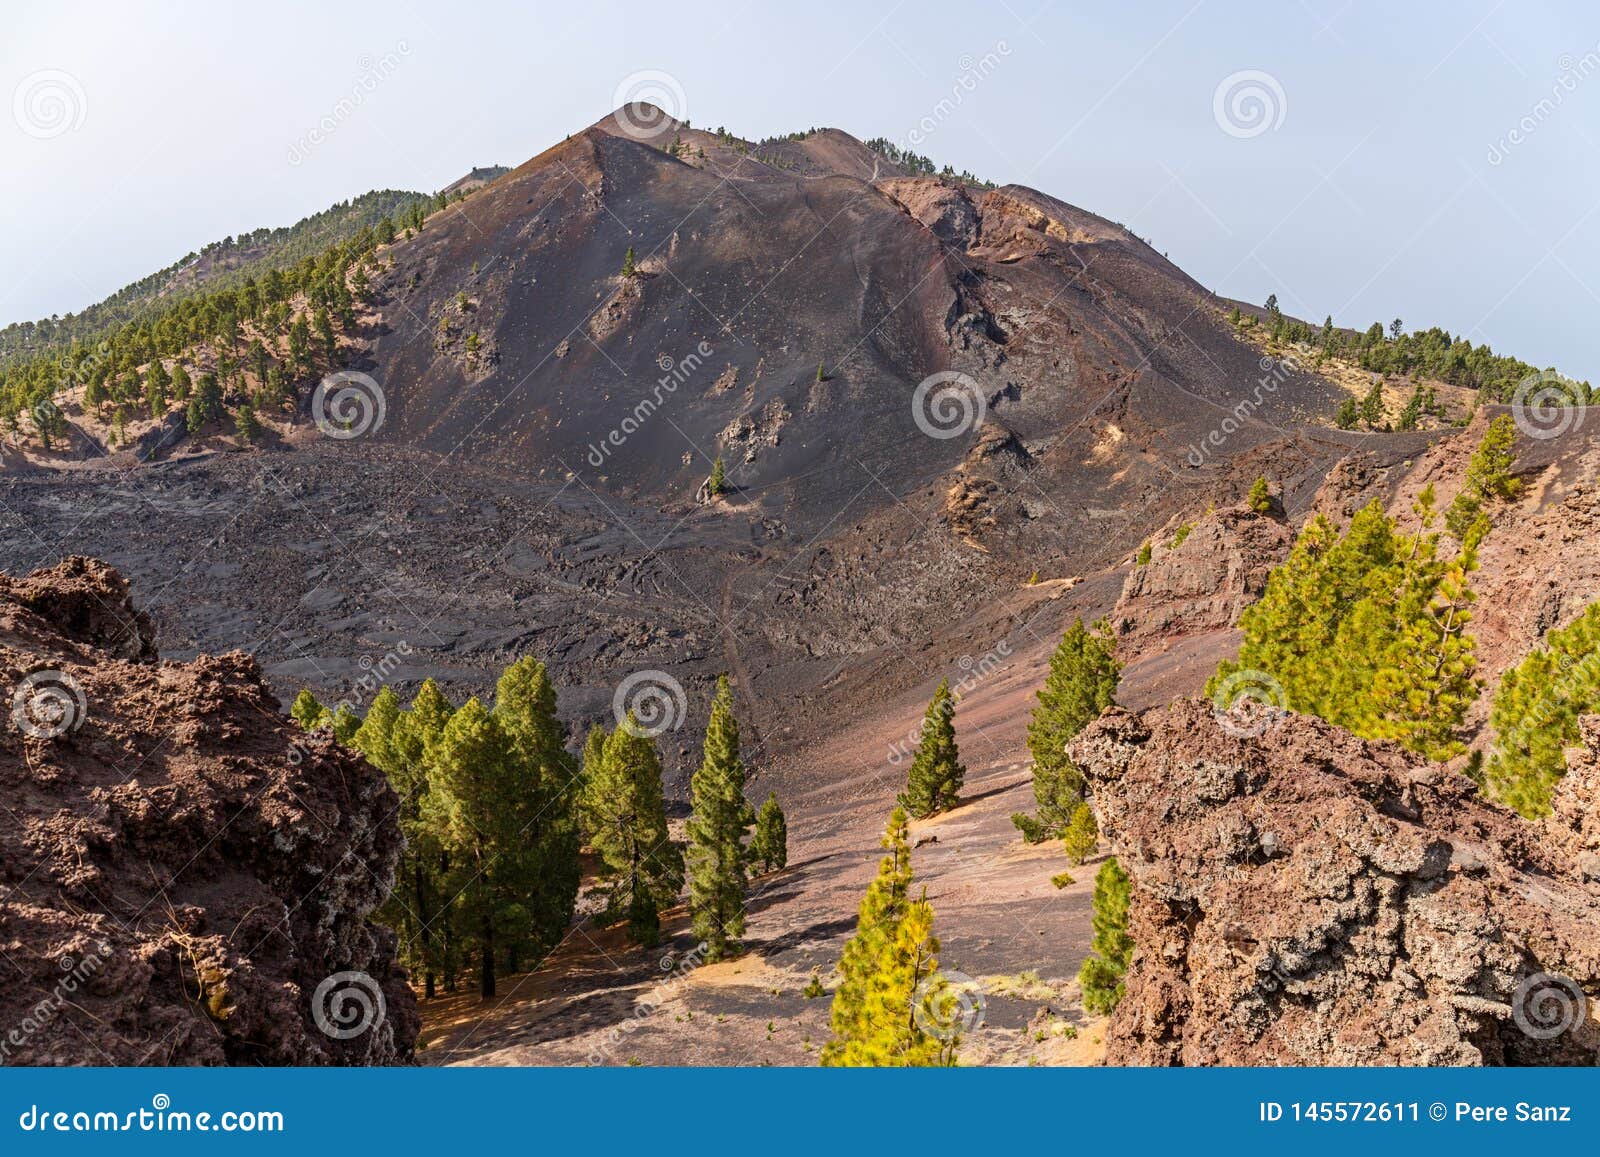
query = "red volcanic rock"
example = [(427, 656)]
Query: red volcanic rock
[(1308, 897), (1204, 584), (180, 867)]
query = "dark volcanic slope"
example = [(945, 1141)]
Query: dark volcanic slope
[(1097, 362), (855, 554)]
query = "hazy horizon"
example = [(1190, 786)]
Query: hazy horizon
[(1238, 142)]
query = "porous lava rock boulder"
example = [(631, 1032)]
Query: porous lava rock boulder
[(185, 877), (1303, 896)]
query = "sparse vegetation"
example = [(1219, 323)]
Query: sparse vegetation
[(1082, 836), (1102, 975), (716, 854), (934, 782), (890, 991), (1082, 683), (1260, 498), (769, 847), (1536, 711)]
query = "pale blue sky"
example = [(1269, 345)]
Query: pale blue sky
[(1388, 187)]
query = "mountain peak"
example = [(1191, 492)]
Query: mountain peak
[(640, 120)]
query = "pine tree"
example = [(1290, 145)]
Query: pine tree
[(769, 847), (1372, 405), (718, 479), (594, 754), (1102, 976), (345, 723), (889, 993), (1082, 835), (542, 809), (308, 712), (721, 816), (1488, 478), (420, 892), (245, 425), (1536, 711), (410, 904), (1081, 684), (1260, 499), (643, 866), (628, 268), (934, 782), (473, 775), (1368, 630), (1348, 416)]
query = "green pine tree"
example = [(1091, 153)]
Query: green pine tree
[(246, 428), (307, 711), (594, 754), (1369, 631), (1081, 684), (543, 810), (628, 267), (1372, 405), (1082, 835), (934, 782), (721, 817), (643, 867), (1348, 416), (1260, 499), (345, 723), (1488, 479), (473, 775), (422, 898), (718, 480), (1102, 976), (1536, 711), (411, 903), (889, 993), (769, 847)]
